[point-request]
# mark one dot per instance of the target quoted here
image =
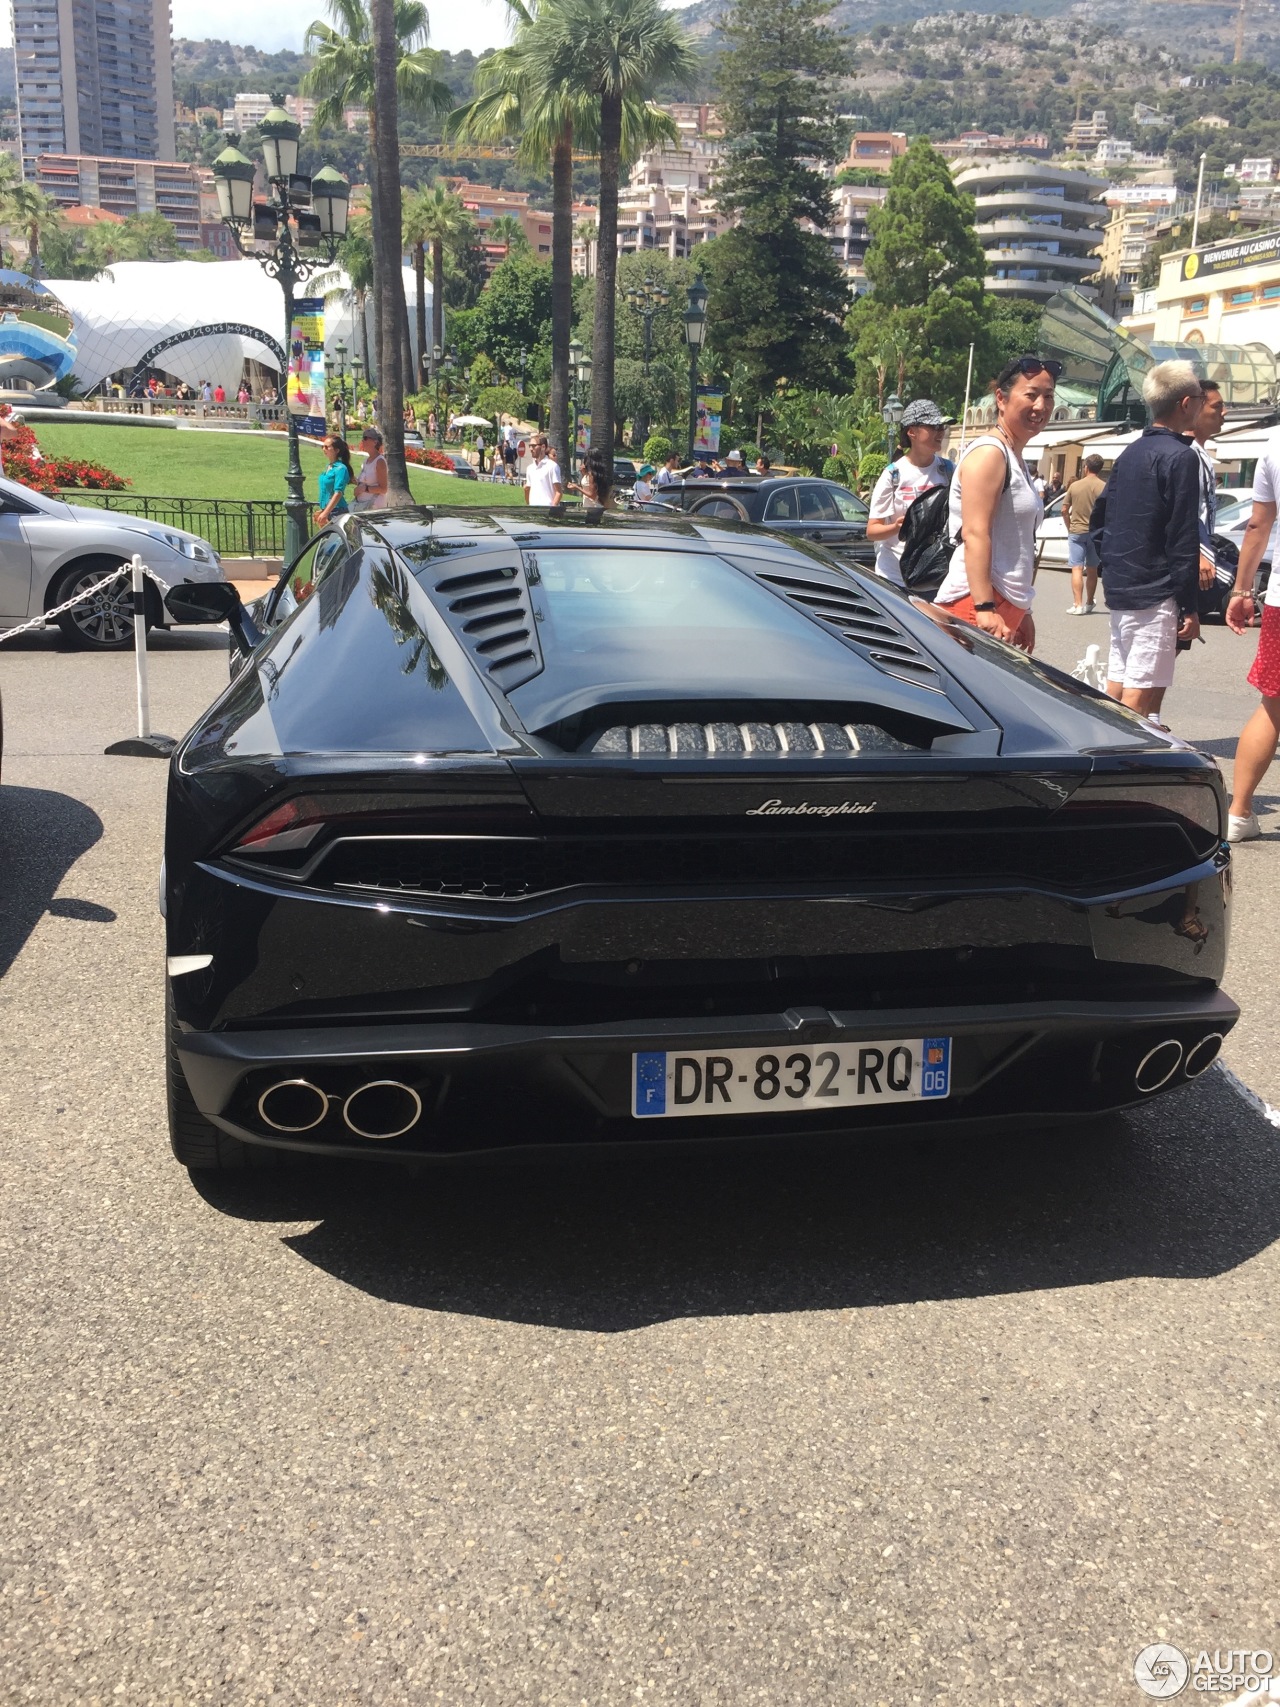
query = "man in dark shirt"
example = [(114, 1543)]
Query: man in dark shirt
[(1146, 526)]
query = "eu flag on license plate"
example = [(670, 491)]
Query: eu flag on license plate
[(650, 1082)]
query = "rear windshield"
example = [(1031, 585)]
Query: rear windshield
[(633, 600)]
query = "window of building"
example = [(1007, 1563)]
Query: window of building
[(1197, 305), (1239, 298), (1270, 292)]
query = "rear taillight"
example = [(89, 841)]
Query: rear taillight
[(293, 824), (1195, 805), (293, 831)]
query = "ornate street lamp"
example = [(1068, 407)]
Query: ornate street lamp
[(891, 414), (524, 357), (436, 354), (300, 214), (647, 300), (340, 350), (695, 332)]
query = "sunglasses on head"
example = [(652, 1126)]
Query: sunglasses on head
[(1032, 365)]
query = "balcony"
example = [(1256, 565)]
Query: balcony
[(1027, 201), (1068, 267)]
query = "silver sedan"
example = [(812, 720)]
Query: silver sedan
[(50, 549)]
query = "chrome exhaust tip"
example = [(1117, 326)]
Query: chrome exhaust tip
[(384, 1108), (1202, 1055), (1158, 1066), (294, 1105)]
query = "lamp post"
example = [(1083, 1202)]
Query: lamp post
[(891, 414), (357, 368), (695, 331), (646, 300), (436, 353), (524, 356), (340, 350), (292, 234)]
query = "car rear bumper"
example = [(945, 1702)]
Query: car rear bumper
[(510, 1087)]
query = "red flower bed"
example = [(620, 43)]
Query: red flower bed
[(428, 458), (52, 474)]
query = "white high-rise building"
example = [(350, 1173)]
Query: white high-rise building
[(94, 77)]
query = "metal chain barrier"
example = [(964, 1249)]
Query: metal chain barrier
[(80, 598)]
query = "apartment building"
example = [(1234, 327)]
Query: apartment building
[(1126, 237), (1039, 224), (848, 234), (877, 149), (249, 109), (129, 188), (94, 77), (1088, 133)]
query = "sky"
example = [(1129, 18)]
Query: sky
[(478, 24)]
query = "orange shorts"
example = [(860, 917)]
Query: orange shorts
[(1011, 614)]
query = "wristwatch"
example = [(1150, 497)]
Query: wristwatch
[(984, 604)]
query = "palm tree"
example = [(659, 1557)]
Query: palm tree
[(513, 99), (609, 56), (28, 209), (357, 263), (435, 216), (587, 232), (508, 231), (343, 75)]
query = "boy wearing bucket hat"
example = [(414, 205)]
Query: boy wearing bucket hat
[(922, 468), (644, 483)]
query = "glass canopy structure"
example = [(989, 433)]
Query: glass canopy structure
[(1102, 356)]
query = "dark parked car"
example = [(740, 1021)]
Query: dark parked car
[(461, 467), (624, 473), (805, 508), (520, 831)]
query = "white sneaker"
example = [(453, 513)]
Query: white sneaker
[(1089, 610), (1243, 829), (1075, 610)]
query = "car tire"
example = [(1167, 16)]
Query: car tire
[(196, 1142), (106, 625)]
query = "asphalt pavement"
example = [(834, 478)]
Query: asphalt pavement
[(893, 1422)]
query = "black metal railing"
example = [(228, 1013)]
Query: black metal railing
[(235, 527)]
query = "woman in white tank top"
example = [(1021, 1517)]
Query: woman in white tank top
[(995, 510)]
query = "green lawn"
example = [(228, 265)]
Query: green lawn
[(195, 464)]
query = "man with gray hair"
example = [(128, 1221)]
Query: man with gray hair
[(1146, 527)]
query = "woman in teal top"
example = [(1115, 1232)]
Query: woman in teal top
[(334, 480)]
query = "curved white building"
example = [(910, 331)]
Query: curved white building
[(1039, 225), (131, 306)]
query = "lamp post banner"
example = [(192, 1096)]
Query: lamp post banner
[(583, 443), (707, 437), (306, 384)]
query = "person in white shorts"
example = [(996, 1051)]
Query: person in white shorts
[(902, 482), (1148, 538)]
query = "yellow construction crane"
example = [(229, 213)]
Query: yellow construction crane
[(467, 151)]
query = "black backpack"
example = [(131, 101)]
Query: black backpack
[(927, 545), (926, 541)]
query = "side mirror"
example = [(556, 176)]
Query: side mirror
[(213, 601), (202, 601)]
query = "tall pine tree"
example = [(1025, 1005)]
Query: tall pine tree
[(926, 267), (778, 294)]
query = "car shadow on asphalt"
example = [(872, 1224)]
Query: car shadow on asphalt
[(1188, 1187), (42, 835)]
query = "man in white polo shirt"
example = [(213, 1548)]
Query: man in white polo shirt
[(543, 485), (903, 481), (1257, 745)]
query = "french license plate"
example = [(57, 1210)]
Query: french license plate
[(666, 1083)]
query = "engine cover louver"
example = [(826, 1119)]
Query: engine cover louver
[(742, 740), (489, 611), (864, 625)]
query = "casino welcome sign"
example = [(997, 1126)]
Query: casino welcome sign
[(1226, 257)]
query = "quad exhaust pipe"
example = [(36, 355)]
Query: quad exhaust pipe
[(384, 1108), (1160, 1063)]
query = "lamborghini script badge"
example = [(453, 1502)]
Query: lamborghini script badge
[(842, 809)]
